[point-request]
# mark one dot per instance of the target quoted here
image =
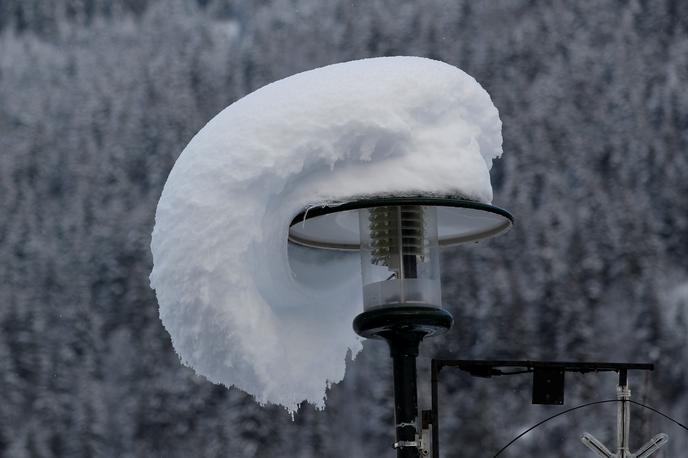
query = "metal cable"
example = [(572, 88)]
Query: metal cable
[(580, 407)]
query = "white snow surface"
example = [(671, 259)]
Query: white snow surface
[(242, 305)]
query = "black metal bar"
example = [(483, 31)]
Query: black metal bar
[(569, 366), (404, 351), (405, 404), (435, 368)]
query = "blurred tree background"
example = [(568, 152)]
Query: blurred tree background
[(99, 97)]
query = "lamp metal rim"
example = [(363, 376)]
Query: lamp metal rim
[(387, 201)]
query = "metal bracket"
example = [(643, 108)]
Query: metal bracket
[(425, 441), (492, 368), (623, 423)]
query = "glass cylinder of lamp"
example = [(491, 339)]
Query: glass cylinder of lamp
[(400, 256)]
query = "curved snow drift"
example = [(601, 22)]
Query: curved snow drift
[(244, 307)]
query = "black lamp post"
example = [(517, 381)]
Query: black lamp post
[(399, 240)]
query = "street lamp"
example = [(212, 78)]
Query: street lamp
[(399, 240)]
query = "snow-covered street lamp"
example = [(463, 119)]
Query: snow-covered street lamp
[(369, 155), (399, 239)]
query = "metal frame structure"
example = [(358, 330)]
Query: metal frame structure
[(493, 368)]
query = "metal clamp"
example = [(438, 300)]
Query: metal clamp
[(402, 444), (421, 443)]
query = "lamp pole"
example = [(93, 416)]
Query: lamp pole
[(404, 353), (403, 328)]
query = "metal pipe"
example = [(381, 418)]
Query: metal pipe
[(434, 375), (623, 394), (404, 351), (405, 405)]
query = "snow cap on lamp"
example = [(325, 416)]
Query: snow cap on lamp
[(243, 306)]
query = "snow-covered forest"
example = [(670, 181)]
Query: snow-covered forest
[(99, 97)]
